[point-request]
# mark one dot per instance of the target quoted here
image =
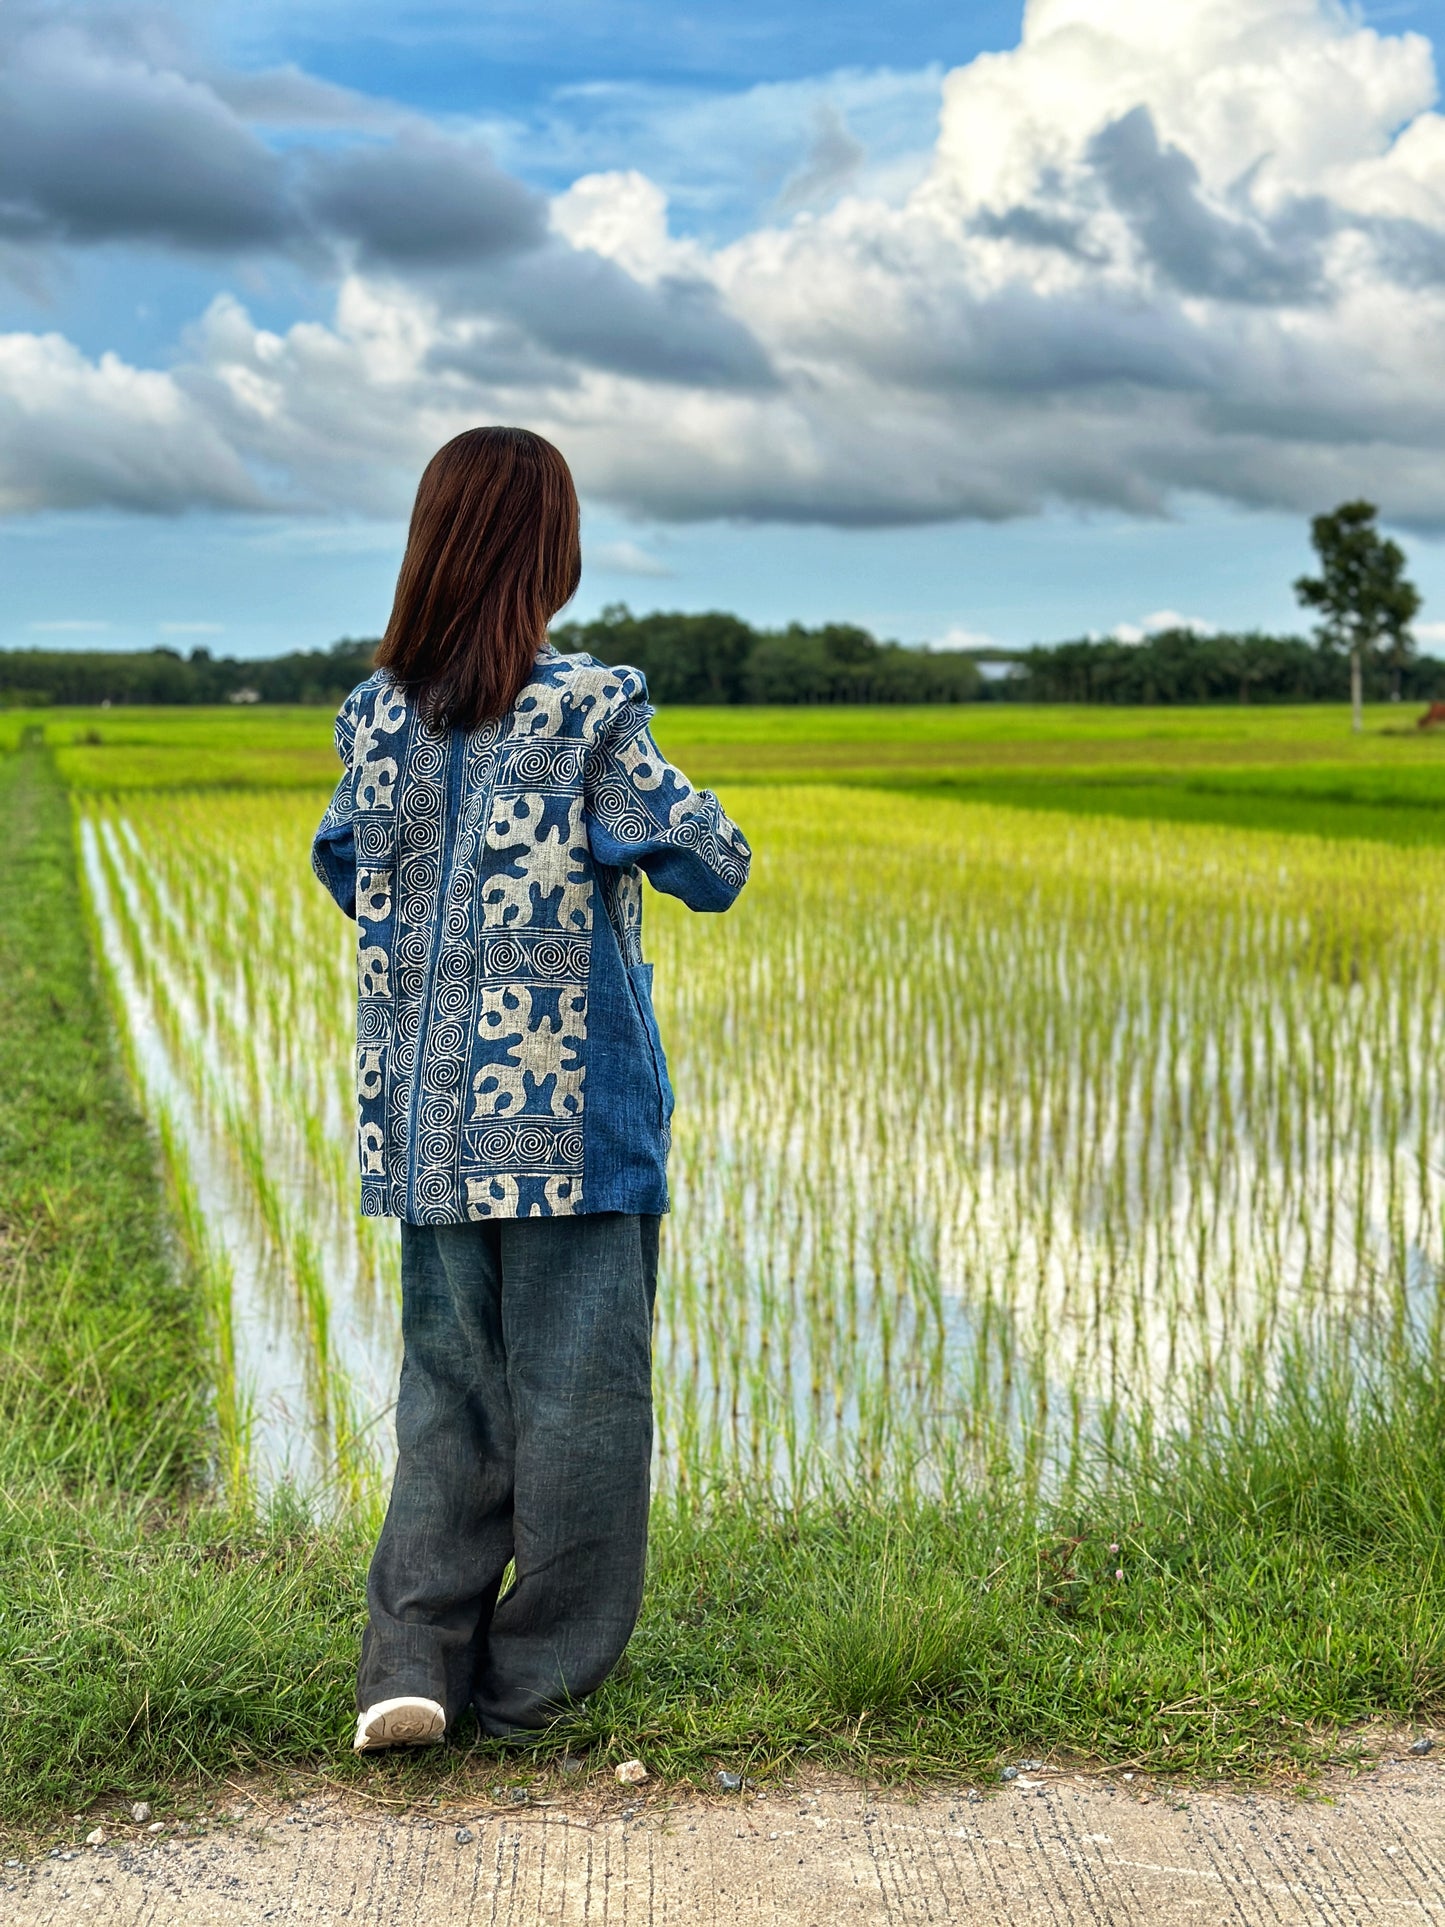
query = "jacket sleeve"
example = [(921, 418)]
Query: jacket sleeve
[(643, 811), (333, 848)]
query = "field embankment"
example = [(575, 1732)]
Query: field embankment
[(104, 1377), (145, 1635)]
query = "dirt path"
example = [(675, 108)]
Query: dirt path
[(1047, 1848)]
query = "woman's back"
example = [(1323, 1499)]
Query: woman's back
[(508, 1062)]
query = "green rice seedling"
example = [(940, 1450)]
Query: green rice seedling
[(1001, 1137)]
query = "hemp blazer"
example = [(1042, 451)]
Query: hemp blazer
[(508, 1062)]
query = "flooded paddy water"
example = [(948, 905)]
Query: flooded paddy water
[(991, 1127)]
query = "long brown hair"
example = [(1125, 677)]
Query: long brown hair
[(491, 556)]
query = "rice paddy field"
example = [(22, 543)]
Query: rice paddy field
[(1058, 1185)]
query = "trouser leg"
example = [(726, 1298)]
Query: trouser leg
[(524, 1428), (577, 1299), (447, 1538)]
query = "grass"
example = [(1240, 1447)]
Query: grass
[(1290, 768), (1281, 1580), (1277, 1540), (103, 1373)]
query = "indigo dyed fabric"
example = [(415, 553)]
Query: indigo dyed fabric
[(508, 1063)]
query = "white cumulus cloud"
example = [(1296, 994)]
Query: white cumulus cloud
[(1158, 250), (1162, 619), (625, 558), (959, 637), (75, 433)]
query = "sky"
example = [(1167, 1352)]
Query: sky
[(978, 324)]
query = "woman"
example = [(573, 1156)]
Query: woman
[(499, 807)]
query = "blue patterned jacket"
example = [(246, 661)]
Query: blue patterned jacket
[(507, 1058)]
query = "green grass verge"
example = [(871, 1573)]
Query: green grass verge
[(1281, 1579), (1213, 1605), (102, 1377)]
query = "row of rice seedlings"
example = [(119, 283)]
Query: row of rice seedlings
[(1130, 1102), (995, 1133), (195, 1195), (212, 1014)]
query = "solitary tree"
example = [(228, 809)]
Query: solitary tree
[(1366, 603)]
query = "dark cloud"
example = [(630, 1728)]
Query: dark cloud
[(1035, 227), (1411, 254), (1020, 341), (580, 305), (98, 142), (95, 144), (541, 319), (1203, 249), (289, 97), (832, 164), (499, 354), (105, 135), (899, 372), (421, 201)]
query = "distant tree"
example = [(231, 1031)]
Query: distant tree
[(718, 658), (1366, 602), (841, 663), (793, 666), (685, 658), (1180, 666)]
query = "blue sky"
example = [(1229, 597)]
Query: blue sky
[(846, 319)]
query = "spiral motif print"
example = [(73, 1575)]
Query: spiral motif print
[(616, 806), (434, 1187), (445, 1045), (539, 765), (504, 957), (530, 959), (373, 838), (493, 1147), (528, 1147)]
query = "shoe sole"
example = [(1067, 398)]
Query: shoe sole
[(399, 1722)]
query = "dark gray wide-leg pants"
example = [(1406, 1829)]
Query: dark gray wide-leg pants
[(524, 1431)]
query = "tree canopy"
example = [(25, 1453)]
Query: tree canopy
[(1365, 600)]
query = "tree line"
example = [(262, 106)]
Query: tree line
[(1363, 647), (712, 658), (719, 658), (40, 678), (1181, 666), (722, 659)]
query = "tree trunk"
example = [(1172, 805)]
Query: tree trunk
[(1357, 692)]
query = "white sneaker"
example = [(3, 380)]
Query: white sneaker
[(403, 1722)]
